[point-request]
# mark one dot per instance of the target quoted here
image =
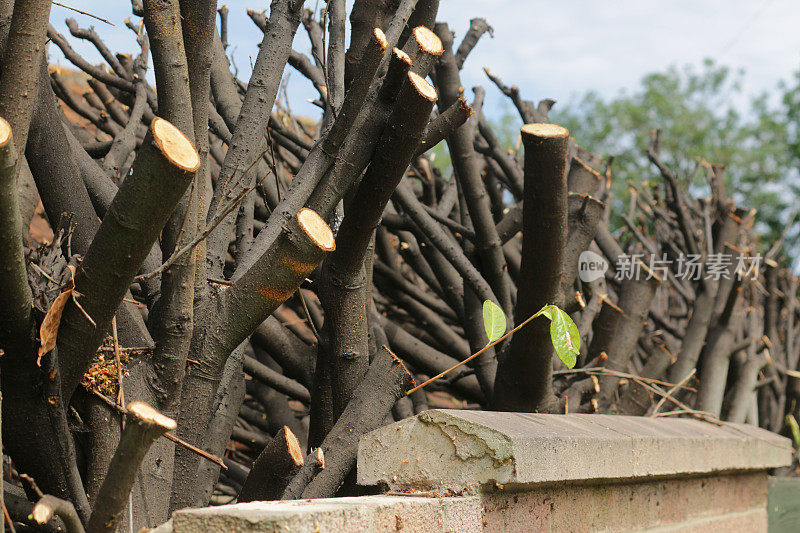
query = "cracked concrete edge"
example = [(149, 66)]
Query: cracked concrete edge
[(412, 455), (492, 443), (463, 452)]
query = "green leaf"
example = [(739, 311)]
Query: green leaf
[(563, 334), (792, 423), (494, 320)]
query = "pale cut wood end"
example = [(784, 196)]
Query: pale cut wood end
[(42, 512), (316, 229), (5, 131), (402, 55), (428, 41), (148, 414), (175, 145), (381, 38), (319, 458), (423, 87), (545, 130), (293, 446)]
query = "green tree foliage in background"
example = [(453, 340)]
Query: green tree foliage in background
[(704, 116)]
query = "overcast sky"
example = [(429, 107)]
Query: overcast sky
[(554, 49)]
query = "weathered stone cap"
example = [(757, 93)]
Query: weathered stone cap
[(465, 451), (358, 514)]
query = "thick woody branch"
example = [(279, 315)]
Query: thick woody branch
[(243, 306), (365, 16), (174, 320), (468, 172), (756, 358), (303, 244), (230, 395), (636, 296), (402, 284), (424, 49), (709, 292), (361, 127), (717, 356), (49, 506), (424, 15), (345, 289), (477, 27), (223, 84), (582, 178), (19, 75), (336, 14), (314, 462), (511, 223), (92, 36), (15, 298), (96, 116), (443, 241), (358, 147), (96, 72), (144, 425), (676, 196), (583, 216), (125, 142), (385, 382), (248, 140), (510, 168), (276, 380), (444, 125), (524, 381), (525, 108), (430, 360), (274, 469), (163, 170), (295, 357), (302, 64), (163, 22)]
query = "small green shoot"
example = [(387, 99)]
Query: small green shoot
[(494, 320), (792, 423), (563, 334)]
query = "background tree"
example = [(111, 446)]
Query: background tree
[(705, 118)]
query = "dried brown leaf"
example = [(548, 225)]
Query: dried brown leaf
[(48, 331)]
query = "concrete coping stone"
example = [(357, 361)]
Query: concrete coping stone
[(363, 513), (461, 452)]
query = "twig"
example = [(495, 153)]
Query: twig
[(137, 350), (308, 314), (32, 485), (202, 453), (773, 251), (471, 357), (75, 295), (609, 372), (76, 10), (224, 282), (43, 273), (8, 517), (672, 390), (118, 362), (702, 415)]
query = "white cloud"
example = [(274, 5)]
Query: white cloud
[(558, 49)]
